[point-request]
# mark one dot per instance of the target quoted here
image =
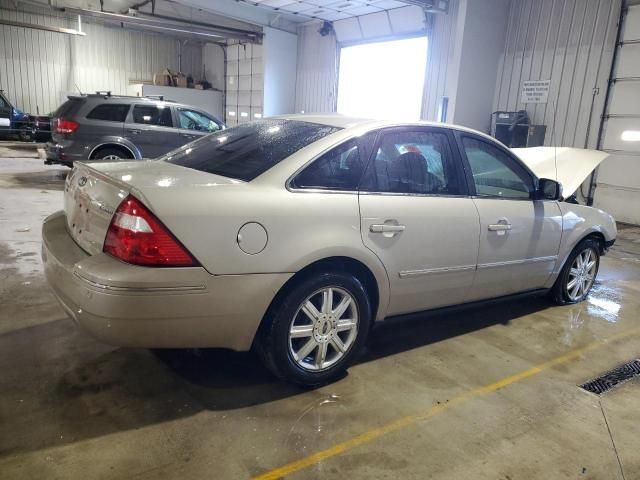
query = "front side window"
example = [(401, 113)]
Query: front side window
[(192, 120), (339, 169), (248, 150), (418, 162), (109, 113), (152, 115), (496, 174)]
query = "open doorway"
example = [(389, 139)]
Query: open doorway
[(383, 79)]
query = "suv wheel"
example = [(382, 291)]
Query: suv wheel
[(578, 274), (111, 153), (316, 331)]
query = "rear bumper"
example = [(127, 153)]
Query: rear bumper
[(56, 153), (134, 306)]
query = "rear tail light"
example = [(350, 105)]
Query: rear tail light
[(136, 236), (66, 126)]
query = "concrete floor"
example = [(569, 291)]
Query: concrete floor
[(483, 394)]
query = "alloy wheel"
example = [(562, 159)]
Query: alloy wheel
[(111, 157), (323, 329), (582, 274)]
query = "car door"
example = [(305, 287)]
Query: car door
[(519, 236), (194, 124), (103, 120), (5, 114), (417, 217), (150, 127)]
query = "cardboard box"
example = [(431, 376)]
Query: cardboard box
[(163, 78)]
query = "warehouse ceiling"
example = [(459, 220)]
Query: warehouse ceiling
[(328, 9), (225, 19)]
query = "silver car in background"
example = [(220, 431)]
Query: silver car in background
[(102, 126), (294, 235)]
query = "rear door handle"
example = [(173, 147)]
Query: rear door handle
[(133, 131), (499, 227), (187, 135), (386, 228)]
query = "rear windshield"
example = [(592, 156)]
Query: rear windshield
[(248, 150)]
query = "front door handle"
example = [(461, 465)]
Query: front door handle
[(501, 227), (134, 131), (386, 228), (188, 135)]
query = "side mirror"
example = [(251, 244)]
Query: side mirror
[(549, 190)]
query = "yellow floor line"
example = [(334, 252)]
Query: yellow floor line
[(403, 422)]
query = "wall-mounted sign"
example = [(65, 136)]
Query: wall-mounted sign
[(535, 91)]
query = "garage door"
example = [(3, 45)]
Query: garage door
[(618, 180)]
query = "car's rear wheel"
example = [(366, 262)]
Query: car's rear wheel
[(111, 153), (313, 334), (578, 274)]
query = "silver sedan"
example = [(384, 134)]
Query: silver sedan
[(294, 235)]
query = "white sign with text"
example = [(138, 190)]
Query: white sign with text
[(535, 91)]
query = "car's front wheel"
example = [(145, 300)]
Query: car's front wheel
[(314, 332), (578, 274)]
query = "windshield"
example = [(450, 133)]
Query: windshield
[(248, 150)]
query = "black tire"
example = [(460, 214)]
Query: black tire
[(26, 134), (275, 347), (111, 153), (560, 292)]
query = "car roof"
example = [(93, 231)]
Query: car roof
[(345, 121)]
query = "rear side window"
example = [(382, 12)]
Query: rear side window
[(109, 113), (413, 161), (248, 150), (338, 169), (152, 115)]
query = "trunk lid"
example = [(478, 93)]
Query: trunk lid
[(94, 191), (90, 200)]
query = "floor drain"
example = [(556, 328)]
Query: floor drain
[(618, 375)]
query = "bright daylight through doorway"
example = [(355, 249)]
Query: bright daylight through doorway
[(383, 79)]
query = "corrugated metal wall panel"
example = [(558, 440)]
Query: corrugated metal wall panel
[(441, 39), (569, 42), (38, 68), (317, 78)]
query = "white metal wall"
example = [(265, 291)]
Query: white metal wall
[(439, 61), (569, 42), (37, 68), (317, 77)]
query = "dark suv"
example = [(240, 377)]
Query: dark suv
[(109, 127)]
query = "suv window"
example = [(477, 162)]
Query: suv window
[(413, 161), (496, 174), (3, 104), (152, 115), (248, 150), (338, 169), (192, 120), (109, 112)]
